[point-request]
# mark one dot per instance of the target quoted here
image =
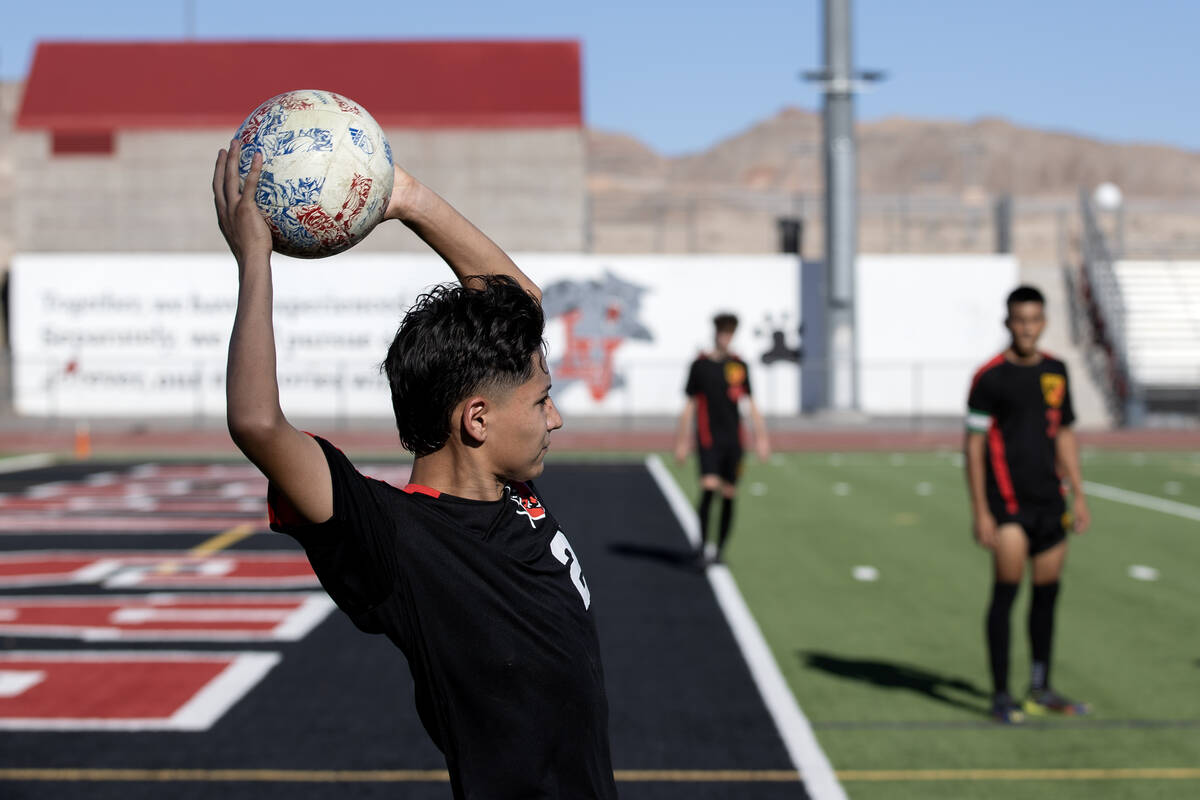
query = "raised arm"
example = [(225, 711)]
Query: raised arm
[(291, 460), (464, 247)]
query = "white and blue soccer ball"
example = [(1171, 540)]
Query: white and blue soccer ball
[(327, 171)]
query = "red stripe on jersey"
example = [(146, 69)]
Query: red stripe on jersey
[(416, 488), (1000, 468), (995, 362), (280, 510), (703, 429)]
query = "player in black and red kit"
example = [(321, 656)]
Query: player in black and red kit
[(1019, 447), (717, 385), (464, 569)]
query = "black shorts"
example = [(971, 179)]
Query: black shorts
[(724, 461), (1044, 526)]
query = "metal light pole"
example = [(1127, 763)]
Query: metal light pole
[(841, 201)]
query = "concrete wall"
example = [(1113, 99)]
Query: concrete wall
[(10, 95), (525, 188)]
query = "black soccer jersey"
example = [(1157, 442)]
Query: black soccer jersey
[(1021, 409), (718, 386), (489, 604)]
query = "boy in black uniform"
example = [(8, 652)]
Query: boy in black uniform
[(1019, 443), (464, 569), (717, 384)]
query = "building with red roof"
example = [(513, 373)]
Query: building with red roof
[(113, 142)]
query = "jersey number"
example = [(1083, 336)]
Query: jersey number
[(561, 549)]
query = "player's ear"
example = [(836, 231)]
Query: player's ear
[(473, 420)]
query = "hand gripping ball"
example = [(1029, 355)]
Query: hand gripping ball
[(327, 171)]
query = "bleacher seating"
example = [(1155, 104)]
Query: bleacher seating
[(1162, 324)]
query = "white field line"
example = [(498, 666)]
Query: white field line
[(29, 461), (794, 728), (1140, 500)]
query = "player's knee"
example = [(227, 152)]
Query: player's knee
[(1003, 595)]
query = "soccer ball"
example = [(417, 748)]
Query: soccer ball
[(327, 171)]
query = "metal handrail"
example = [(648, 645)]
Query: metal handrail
[(1109, 311)]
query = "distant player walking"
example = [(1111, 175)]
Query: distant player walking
[(464, 569), (717, 385), (1019, 445)]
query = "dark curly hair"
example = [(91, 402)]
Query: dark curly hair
[(457, 340), (1025, 294)]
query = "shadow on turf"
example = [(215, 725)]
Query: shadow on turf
[(891, 675), (684, 559)]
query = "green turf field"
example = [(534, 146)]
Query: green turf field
[(892, 672)]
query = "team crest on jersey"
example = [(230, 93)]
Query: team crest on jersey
[(735, 376), (529, 507), (1054, 388), (735, 373)]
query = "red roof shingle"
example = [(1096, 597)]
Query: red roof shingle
[(191, 84)]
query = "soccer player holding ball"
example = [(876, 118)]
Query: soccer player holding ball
[(1019, 448), (464, 570)]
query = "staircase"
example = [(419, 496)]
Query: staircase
[(1162, 332)]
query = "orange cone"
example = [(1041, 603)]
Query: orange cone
[(83, 440)]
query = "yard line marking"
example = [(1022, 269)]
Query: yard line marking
[(962, 724), (222, 540), (1165, 773), (28, 461), (370, 776), (623, 776), (793, 726), (1149, 501)]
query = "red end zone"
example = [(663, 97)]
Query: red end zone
[(162, 617), (151, 498), (156, 570), (124, 691)]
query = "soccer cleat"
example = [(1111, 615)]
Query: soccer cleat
[(1006, 711), (1047, 701)]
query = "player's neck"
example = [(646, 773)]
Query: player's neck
[(458, 471), (1033, 357)]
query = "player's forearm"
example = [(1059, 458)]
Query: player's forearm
[(452, 236), (251, 387), (683, 429), (973, 453), (1066, 449), (759, 422)]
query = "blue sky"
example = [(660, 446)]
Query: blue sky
[(681, 76)]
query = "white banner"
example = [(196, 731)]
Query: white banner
[(133, 335), (925, 323)]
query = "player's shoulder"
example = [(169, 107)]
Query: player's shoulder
[(528, 500), (1053, 363), (988, 368)]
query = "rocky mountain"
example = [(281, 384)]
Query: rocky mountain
[(899, 156)]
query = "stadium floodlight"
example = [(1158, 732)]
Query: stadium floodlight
[(840, 83)]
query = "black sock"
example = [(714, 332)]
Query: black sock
[(997, 628), (706, 497), (726, 522), (1041, 633)]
